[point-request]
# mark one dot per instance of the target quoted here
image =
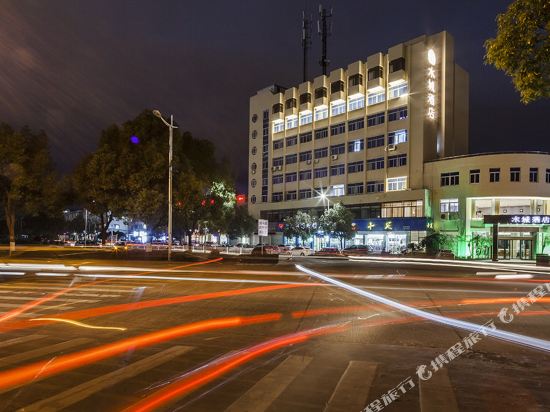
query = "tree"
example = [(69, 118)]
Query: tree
[(337, 222), (241, 223), (128, 175), (300, 226), (27, 181), (521, 48)]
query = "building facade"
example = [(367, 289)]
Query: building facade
[(373, 136)]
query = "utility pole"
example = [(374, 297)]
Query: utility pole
[(306, 42), (324, 28)]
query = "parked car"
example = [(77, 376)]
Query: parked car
[(329, 251), (356, 250), (284, 249), (264, 250), (301, 251)]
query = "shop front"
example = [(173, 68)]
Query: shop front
[(389, 235)]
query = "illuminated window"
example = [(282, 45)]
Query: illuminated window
[(337, 108), (398, 91), (356, 145), (399, 136), (448, 206), (336, 190), (321, 113), (306, 118), (376, 97), (278, 126), (291, 122), (356, 102), (396, 183)]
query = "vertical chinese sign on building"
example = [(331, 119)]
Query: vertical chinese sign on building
[(431, 85)]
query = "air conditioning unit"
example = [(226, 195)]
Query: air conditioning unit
[(334, 157), (274, 168), (391, 147), (316, 160), (308, 161), (279, 167)]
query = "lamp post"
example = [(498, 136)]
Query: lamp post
[(171, 128)]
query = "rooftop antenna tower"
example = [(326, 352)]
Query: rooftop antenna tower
[(306, 41), (324, 28)]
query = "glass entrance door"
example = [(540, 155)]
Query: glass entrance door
[(515, 249)]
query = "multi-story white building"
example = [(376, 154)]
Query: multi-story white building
[(368, 136)]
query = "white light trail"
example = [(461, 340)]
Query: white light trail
[(513, 276), (472, 327), (12, 273)]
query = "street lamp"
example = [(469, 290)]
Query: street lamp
[(171, 127), (324, 198)]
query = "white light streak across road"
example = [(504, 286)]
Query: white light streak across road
[(472, 327)]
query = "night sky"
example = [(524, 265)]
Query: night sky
[(74, 67)]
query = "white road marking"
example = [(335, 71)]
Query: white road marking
[(266, 390), (45, 350), (21, 339), (86, 389), (53, 300), (352, 391), (437, 393)]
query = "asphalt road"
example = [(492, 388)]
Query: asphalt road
[(80, 334)]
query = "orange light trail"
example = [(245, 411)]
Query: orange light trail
[(128, 307), (205, 374), (212, 370), (40, 370)]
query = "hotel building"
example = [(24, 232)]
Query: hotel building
[(374, 136)]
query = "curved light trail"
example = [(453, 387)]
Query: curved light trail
[(76, 323), (145, 304), (528, 341), (36, 371), (220, 366)]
